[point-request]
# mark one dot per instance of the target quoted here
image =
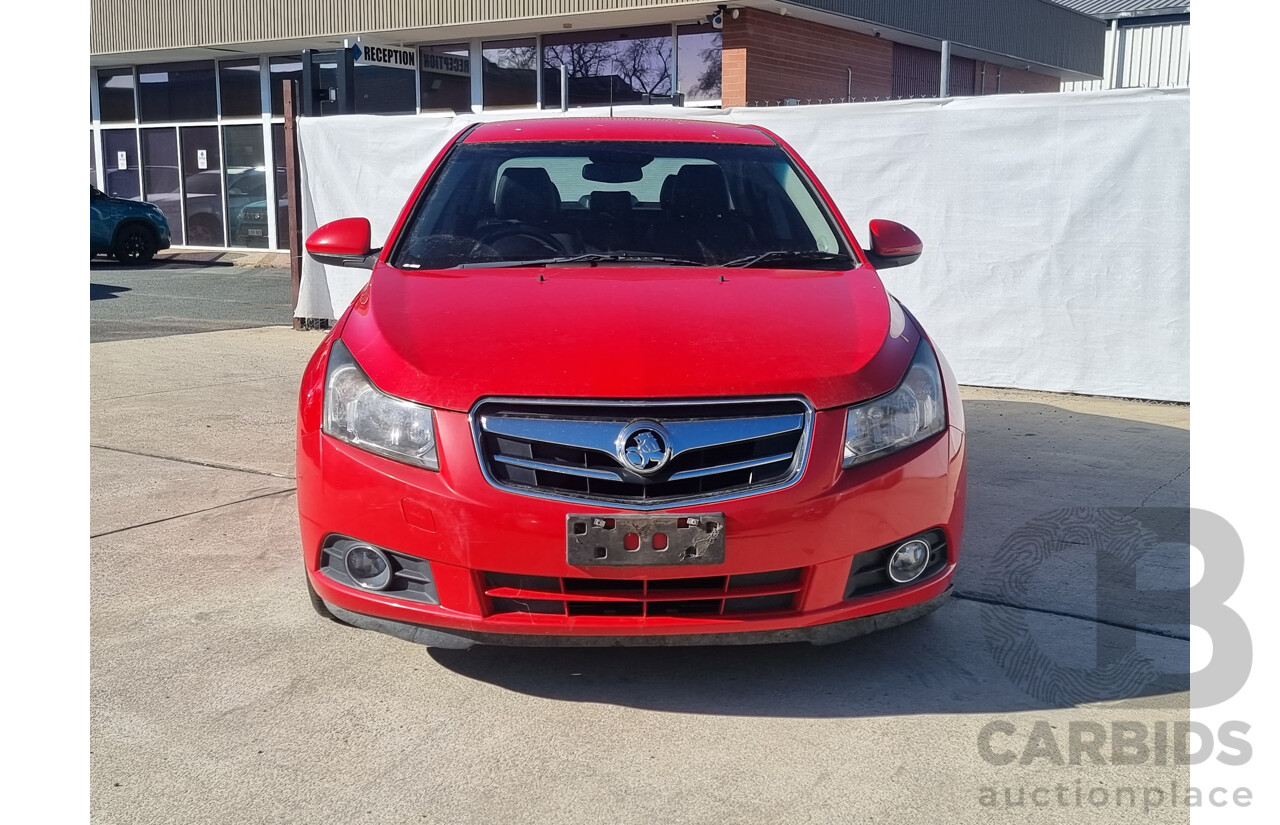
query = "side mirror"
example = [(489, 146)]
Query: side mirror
[(343, 242), (893, 244)]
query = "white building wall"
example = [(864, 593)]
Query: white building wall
[(1148, 57)]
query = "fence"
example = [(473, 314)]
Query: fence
[(1055, 225)]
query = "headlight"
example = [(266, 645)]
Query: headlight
[(357, 412), (909, 414)]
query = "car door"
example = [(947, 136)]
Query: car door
[(102, 220)]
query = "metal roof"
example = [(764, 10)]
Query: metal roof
[(1107, 9)]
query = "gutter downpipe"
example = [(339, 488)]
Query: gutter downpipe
[(944, 76)]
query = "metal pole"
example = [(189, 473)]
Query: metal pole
[(1115, 81), (346, 82), (310, 87), (294, 189), (944, 77), (564, 88)]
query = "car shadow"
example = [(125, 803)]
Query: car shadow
[(1071, 589), (102, 292), (938, 664), (159, 263)]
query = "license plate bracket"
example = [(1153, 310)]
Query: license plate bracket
[(648, 540)]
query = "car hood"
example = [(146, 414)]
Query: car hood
[(448, 338)]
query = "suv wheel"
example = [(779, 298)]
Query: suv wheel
[(134, 245)]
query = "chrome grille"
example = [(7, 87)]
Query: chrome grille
[(570, 451)]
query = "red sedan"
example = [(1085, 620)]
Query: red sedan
[(625, 381)]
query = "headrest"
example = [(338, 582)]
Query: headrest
[(526, 195), (700, 190), (611, 203)]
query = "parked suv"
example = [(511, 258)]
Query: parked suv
[(130, 231), (626, 382)]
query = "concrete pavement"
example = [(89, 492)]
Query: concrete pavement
[(218, 696)]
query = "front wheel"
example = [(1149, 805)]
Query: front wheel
[(318, 604), (134, 245)]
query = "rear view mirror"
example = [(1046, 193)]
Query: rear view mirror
[(343, 242), (893, 244), (612, 172)]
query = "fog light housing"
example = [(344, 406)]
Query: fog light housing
[(908, 561), (368, 567)]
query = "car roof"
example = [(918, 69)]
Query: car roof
[(617, 128)]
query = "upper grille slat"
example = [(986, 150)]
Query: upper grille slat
[(728, 468), (567, 469), (697, 435), (570, 450)]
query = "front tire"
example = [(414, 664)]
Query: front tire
[(134, 245), (318, 604)]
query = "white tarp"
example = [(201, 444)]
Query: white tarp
[(1056, 226)]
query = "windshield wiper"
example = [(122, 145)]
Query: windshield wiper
[(811, 256), (588, 258)]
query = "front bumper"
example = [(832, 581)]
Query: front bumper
[(823, 634), (473, 533)]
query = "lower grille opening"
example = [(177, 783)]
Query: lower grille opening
[(611, 586), (767, 593), (758, 604), (699, 607), (605, 608), (527, 606)]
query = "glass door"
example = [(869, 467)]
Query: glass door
[(246, 185), (160, 178), (202, 184)]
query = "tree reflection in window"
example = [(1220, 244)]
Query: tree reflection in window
[(633, 66)]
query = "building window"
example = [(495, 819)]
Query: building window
[(604, 67), (384, 90), (177, 91), (699, 63), (120, 163), (115, 95), (240, 88), (284, 69), (510, 76), (446, 78)]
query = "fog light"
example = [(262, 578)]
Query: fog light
[(368, 567), (908, 561)]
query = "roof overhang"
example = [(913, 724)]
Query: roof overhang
[(922, 23)]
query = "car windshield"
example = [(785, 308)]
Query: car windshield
[(614, 203)]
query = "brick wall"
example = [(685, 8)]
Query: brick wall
[(772, 57), (1010, 80)]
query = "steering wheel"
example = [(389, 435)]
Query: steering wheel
[(495, 235)]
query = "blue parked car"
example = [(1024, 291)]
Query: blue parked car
[(130, 231)]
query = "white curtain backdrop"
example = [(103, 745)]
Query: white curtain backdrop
[(1056, 226)]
